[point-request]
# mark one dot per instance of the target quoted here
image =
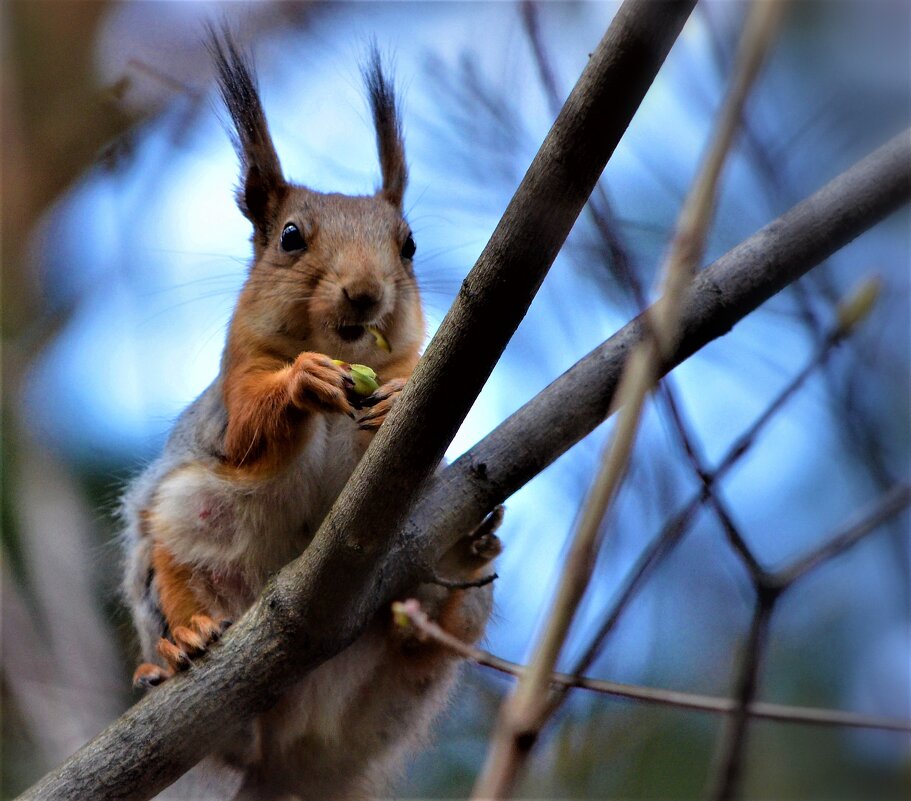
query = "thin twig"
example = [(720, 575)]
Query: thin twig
[(729, 760), (524, 713), (890, 504), (411, 612), (621, 262), (708, 480)]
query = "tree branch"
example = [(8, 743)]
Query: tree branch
[(411, 613)]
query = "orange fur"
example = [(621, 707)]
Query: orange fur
[(179, 604), (268, 398), (261, 433)]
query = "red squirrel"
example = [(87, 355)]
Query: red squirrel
[(253, 465)]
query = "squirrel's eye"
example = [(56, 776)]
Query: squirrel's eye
[(408, 248), (292, 238)]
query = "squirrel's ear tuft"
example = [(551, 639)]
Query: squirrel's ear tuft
[(389, 141), (262, 186)]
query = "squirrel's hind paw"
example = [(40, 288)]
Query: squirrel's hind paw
[(148, 675), (484, 544), (188, 642)]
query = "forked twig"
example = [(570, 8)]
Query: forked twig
[(677, 526)]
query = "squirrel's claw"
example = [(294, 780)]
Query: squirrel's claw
[(173, 654), (469, 558), (186, 644), (388, 389), (318, 384), (148, 675), (380, 404), (484, 544)]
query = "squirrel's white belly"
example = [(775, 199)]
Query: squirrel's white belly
[(250, 527)]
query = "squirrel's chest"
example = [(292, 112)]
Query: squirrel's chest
[(255, 525)]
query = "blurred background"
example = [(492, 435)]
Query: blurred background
[(122, 254)]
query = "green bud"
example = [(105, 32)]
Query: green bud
[(381, 342), (364, 377), (855, 308)]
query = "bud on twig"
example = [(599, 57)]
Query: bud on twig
[(856, 307)]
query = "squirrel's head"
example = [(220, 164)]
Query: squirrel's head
[(327, 267)]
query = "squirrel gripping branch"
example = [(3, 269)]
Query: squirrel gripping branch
[(253, 465)]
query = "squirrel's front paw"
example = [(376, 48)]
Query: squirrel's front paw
[(380, 403), (186, 644), (318, 384)]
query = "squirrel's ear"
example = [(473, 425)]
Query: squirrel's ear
[(262, 186), (389, 141)]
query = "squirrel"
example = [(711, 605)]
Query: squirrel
[(253, 465)]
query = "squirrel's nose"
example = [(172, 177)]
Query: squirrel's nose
[(363, 297)]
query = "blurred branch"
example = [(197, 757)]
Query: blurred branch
[(768, 588), (525, 712), (319, 603), (888, 505), (729, 761), (410, 613)]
